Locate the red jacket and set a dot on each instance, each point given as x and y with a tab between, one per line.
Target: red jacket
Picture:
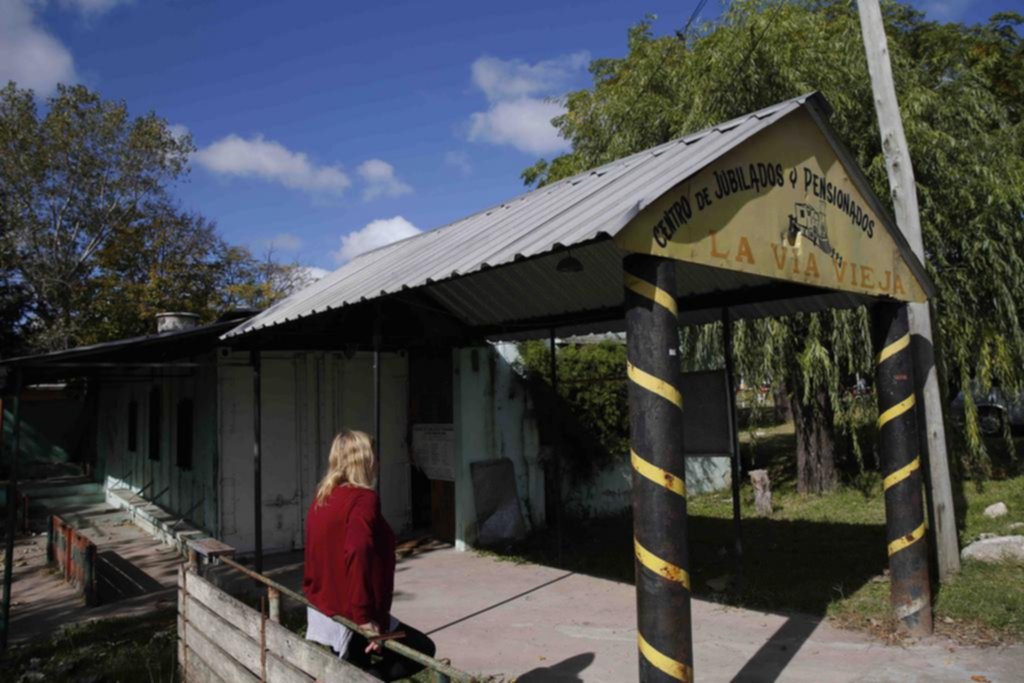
350	557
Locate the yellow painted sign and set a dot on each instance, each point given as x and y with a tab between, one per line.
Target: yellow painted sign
780	205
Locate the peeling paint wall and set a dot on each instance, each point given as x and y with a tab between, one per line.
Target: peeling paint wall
306	398
190	492
493	419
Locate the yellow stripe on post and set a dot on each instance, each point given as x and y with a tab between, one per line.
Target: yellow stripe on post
664	663
894	348
655	294
906	541
661	567
657	475
901	474
897	410
654	385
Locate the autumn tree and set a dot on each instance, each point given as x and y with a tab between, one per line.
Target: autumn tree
960	92
92	245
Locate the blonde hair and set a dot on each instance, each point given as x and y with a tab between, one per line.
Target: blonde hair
352	462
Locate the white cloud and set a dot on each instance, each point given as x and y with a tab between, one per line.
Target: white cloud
459	161
946	10
29	55
93	8
508	79
381	180
271	161
285	241
524	124
519	94
313	273
177	129
373	235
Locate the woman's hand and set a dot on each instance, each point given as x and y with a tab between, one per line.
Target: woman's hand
372	629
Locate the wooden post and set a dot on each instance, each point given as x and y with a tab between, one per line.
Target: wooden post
274	604
904	197
660	542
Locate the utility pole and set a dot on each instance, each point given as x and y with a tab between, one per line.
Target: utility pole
904	197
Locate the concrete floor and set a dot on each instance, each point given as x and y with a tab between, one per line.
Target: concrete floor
532	623
536	623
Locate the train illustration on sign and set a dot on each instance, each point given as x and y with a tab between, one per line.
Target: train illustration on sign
810	221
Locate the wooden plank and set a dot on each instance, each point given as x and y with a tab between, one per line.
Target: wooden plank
310	658
235	612
279	671
216	659
199	672
242	648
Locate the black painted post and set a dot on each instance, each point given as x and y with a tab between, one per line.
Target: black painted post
12	515
257	457
557	461
376	396
901	467
735	462
660	540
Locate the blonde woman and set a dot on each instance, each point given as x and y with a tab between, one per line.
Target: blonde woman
350	563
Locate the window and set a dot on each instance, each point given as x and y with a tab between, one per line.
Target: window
133	426
185	434
155	409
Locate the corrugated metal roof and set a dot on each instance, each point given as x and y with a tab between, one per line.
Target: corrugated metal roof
594	204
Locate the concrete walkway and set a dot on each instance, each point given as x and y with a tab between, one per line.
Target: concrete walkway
531	623
543	624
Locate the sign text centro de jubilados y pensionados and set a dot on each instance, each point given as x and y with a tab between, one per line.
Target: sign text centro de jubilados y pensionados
780	205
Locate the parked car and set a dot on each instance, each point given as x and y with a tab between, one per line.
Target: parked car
995	409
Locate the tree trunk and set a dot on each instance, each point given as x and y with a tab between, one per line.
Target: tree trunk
815	444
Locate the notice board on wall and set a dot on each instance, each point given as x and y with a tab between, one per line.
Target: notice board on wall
706	413
433	450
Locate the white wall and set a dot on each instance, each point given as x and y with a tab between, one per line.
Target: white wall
307	397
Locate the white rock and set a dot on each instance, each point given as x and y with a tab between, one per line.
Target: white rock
996	510
995	549
1015	525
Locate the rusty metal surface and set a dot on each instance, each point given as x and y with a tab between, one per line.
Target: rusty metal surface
75	557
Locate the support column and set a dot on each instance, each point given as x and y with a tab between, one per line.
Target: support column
12	515
664	630
377	336
735	462
901	467
257	458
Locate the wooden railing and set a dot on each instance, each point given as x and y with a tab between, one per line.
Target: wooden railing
220	638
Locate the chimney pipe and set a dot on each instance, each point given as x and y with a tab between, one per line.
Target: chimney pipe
175	322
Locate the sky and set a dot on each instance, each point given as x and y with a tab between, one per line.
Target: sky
328	128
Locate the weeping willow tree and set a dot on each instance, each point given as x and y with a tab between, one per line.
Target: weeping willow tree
960	90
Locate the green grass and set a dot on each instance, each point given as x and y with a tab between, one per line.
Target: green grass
821	555
129	650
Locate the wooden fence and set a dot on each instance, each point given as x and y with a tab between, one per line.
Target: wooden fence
221	638
75	557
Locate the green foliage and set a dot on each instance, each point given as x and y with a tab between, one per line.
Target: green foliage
960	91
592	384
91	246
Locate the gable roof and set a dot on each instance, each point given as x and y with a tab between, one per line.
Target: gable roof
580	210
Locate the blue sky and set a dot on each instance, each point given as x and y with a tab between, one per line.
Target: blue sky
325	128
